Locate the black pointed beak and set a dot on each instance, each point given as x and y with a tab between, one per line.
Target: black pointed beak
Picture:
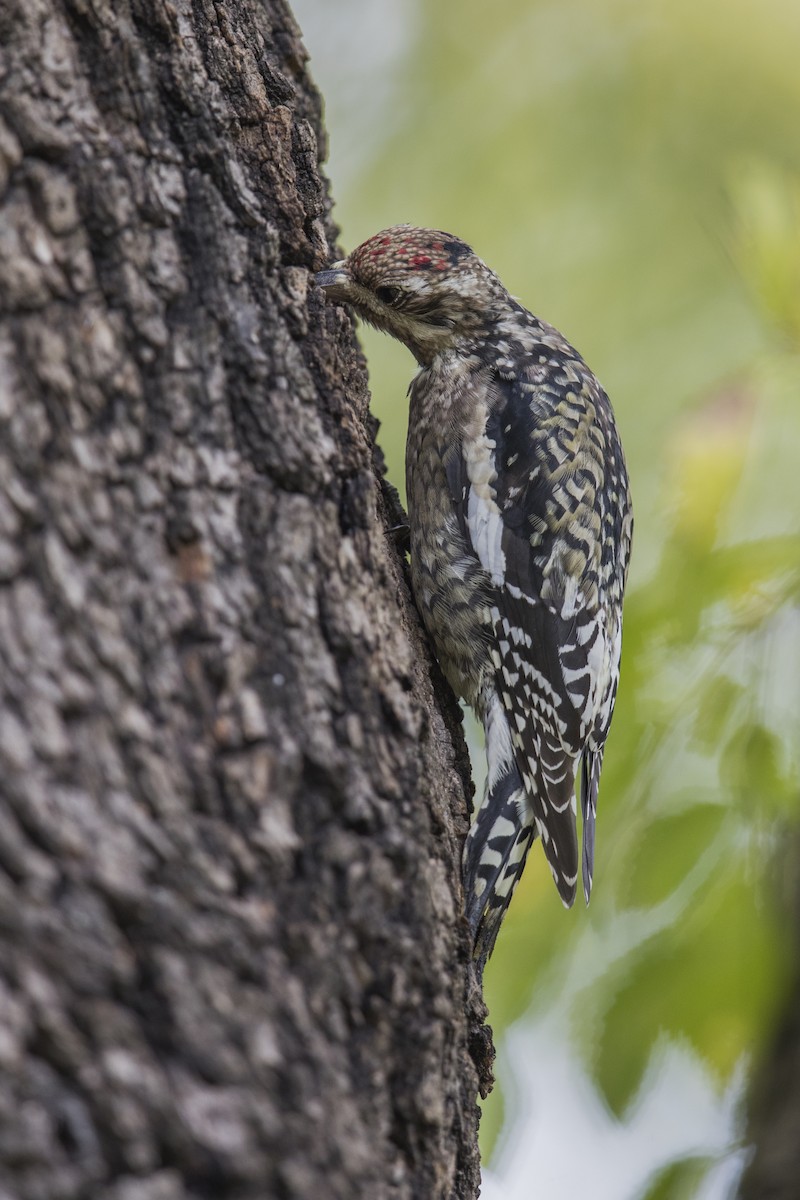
335	280
330	277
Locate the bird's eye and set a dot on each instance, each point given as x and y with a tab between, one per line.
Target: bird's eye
388	295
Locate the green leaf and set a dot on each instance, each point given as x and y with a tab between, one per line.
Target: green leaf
717	702
666	852
714	978
754	767
679	1180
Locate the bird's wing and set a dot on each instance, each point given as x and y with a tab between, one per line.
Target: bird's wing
527	500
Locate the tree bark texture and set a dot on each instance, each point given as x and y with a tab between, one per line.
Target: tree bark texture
773	1116
232	960
774	1120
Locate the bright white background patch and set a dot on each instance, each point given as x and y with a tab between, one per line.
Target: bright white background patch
677	1113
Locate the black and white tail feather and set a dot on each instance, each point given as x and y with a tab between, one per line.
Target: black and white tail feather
494	857
505	826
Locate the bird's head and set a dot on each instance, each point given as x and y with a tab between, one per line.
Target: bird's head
424	287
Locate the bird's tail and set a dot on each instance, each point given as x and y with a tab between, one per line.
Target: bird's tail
590	783
496	848
519	804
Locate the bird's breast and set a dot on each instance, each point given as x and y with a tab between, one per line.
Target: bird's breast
450	585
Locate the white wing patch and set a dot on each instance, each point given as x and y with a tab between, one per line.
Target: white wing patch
485	523
484	518
499	751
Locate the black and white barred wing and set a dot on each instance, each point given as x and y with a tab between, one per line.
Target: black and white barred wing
529	500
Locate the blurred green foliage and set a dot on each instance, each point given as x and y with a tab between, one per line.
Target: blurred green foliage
632	171
679	1181
701	788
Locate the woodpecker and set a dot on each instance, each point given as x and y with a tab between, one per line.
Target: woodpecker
520	524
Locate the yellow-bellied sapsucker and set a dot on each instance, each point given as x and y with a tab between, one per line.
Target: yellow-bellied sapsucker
521	523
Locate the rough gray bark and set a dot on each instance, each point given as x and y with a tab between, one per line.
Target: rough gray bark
774	1101
232	961
774	1173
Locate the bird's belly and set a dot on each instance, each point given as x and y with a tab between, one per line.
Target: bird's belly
450	588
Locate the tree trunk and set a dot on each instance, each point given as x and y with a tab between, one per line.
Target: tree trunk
774	1173
773	1116
232	959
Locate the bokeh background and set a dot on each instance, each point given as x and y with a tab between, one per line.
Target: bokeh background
631	169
